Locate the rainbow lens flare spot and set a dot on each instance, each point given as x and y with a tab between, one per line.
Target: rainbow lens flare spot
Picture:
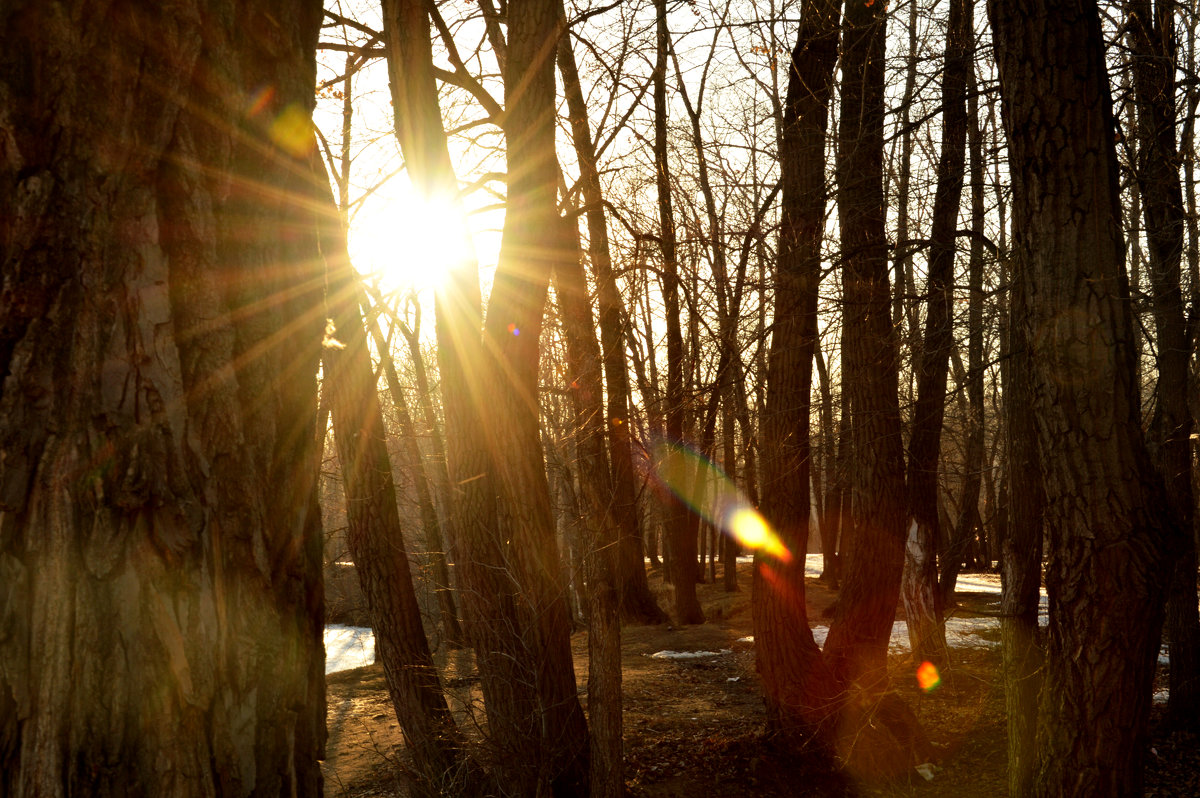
927	676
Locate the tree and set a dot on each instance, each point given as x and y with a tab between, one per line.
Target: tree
160	330
922	601
799	691
680	533
1152	33
1108	536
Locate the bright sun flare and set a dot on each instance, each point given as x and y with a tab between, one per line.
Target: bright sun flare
406	242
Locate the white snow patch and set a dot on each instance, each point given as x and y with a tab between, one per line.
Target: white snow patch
348	647
684	655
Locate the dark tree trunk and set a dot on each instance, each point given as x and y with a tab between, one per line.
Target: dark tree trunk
1152	35
873	552
922	601
799	690
1021	538
376	538
160	329
678	527
637	603
968	516
1108	534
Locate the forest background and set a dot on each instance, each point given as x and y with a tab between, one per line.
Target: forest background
919	282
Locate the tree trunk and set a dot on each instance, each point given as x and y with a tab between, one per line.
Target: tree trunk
1153	41
637	603
160	328
873	552
922	601
678	528
588	428
1109	537
376	538
799	689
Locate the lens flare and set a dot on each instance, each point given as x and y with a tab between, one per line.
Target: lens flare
927	676
705	488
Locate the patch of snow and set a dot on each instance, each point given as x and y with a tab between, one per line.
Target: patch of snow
348	647
685	655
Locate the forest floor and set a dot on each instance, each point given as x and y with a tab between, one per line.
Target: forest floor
693	727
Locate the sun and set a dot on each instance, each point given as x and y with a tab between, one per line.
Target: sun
407	242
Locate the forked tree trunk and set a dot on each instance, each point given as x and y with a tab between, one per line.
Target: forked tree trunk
1109	536
160	329
873	552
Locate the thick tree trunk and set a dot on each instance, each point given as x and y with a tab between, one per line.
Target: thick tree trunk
799	689
160	328
1109	537
922	601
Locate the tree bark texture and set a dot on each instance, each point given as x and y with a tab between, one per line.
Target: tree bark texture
873	552
160	329
799	689
922	601
1108	534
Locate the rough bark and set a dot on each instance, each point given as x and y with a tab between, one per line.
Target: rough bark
1108	535
799	689
160	328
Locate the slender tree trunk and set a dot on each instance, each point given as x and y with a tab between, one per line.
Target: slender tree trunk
922	601
1109	537
431	525
678	528
1152	34
969	518
600	550
637	603
160	328
376	538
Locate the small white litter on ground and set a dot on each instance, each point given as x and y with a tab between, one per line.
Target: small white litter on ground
683	655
